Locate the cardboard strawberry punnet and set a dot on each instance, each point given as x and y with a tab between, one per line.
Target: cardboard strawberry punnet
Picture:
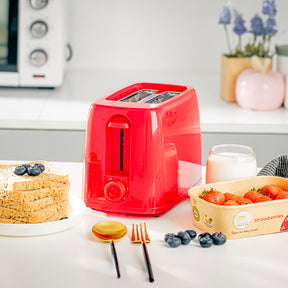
263	215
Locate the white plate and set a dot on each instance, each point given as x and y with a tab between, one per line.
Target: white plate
77	207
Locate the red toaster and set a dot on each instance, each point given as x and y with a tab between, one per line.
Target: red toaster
142	149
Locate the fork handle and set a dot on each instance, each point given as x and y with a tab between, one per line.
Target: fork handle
148	264
113	250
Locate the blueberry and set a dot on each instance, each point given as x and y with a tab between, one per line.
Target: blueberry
184	237
174	242
191	233
26	166
20	170
218	238
40	166
33	171
168	235
204	235
205	242
64	218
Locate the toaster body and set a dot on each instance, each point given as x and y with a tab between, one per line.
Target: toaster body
142	149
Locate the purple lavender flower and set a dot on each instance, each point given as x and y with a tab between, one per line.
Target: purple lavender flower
270	27
269	7
257	26
225	16
239	27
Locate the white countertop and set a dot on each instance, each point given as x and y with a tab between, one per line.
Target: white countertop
66	108
74	258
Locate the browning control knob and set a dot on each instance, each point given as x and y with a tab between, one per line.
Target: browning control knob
115	191
38	58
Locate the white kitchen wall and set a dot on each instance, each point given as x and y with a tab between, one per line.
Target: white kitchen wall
156	35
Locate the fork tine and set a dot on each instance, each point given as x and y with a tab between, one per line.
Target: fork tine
142	236
133	234
137	231
146	234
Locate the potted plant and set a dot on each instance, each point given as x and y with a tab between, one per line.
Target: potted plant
239	59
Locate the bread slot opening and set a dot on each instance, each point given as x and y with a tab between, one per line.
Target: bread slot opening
162	97
138	95
149	96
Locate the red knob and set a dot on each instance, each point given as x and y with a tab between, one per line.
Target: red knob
115	190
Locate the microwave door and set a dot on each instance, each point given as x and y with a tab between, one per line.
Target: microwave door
8	42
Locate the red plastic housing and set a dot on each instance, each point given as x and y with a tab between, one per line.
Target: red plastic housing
141	158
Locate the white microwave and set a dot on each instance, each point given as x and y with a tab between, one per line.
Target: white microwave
32	43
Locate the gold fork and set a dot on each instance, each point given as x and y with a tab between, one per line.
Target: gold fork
136	239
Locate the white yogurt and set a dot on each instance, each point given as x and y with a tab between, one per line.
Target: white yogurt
224	166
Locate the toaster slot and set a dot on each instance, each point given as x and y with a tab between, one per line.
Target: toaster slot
121	149
118	144
138	95
159	98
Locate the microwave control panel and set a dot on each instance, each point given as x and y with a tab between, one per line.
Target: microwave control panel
41	42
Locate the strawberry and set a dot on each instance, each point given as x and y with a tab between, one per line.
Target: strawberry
230	196
263	198
243	201
239	200
282	195
271	190
214	197
230	203
253	195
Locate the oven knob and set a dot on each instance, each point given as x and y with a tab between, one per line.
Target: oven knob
115	191
38	58
38	4
38	29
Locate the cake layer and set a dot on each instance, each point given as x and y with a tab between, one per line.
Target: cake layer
58	190
55	217
50	177
38	216
30	206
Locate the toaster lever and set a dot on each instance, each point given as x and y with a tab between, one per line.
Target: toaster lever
118	125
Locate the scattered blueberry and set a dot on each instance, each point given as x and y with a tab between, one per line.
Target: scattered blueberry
205	242
20	170
204	235
168	235
184	237
191	233
174	242
64	218
33	171
205	239
218	238
40	166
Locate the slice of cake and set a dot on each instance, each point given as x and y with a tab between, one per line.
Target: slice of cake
34	192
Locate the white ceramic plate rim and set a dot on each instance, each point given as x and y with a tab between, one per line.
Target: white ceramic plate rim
77	208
